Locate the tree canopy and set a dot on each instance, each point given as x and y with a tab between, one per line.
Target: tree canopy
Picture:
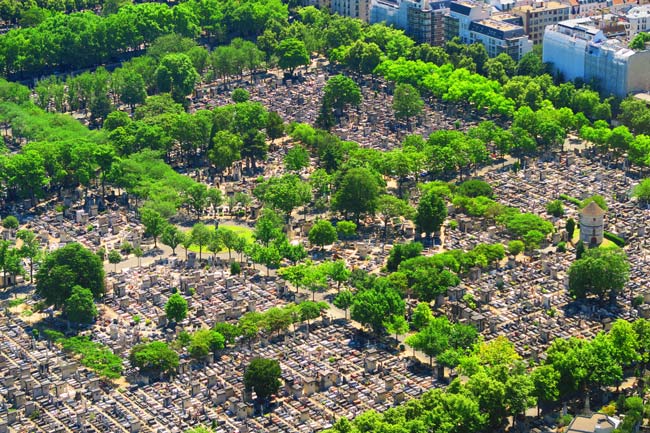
66	267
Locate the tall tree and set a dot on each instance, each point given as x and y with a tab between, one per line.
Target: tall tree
80	306
176	308
176	74
322	233
66	267
29	249
431	213
357	193
262	376
407	102
154	223
200	235
291	54
340	92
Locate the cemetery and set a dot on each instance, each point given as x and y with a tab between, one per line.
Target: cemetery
328	369
242	258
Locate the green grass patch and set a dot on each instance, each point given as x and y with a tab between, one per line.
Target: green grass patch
94	355
16	302
241	231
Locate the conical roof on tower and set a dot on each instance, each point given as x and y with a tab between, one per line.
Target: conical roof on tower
592	210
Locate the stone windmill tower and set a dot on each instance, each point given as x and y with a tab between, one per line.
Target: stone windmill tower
592	225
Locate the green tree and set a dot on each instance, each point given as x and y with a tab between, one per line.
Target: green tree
555	208
268	227
421	316
29	249
346	229
154	357
205	341
131	86
176	74
262	375
533	239
516	247
67	267
322	233
10	222
357	193
580	249
407	102
396	325
570	227
344	301
80	306
432	339
600	271
291	54
172	237
296	158
519	394
625	342
431	213
176	308
25	173
114	257
545	382
640	40
240	95
338	272
284	193
642	191
389	207
310	310
226	149
197	197
229	331
137	251
274	126
371	307
200	235
401	252
341	91
475	188
154	224
522	223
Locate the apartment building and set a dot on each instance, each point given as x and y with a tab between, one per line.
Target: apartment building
540	14
580	48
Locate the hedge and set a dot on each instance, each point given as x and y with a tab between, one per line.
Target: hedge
616	239
570	199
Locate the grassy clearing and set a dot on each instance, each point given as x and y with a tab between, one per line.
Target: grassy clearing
241	231
94	355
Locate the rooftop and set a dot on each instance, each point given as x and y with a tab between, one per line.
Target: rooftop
592	210
639	12
541	6
586	424
498	24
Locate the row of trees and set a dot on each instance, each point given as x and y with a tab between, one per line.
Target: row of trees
498	384
81	40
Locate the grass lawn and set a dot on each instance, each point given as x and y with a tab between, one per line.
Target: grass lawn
241	231
576	237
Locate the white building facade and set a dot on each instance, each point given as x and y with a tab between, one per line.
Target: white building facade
578	49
